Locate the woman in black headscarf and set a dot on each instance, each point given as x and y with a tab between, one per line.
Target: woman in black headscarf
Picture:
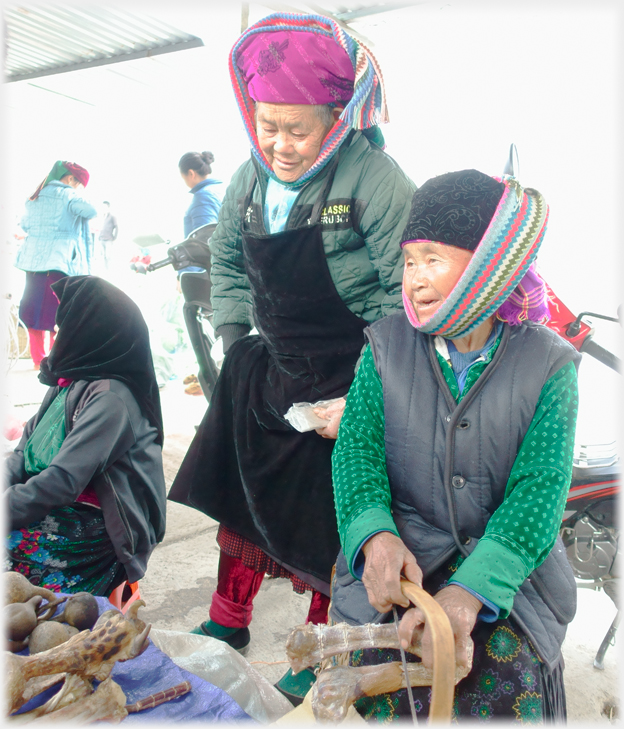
85	489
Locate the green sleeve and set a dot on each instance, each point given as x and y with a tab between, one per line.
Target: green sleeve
383	222
361	487
523	529
230	294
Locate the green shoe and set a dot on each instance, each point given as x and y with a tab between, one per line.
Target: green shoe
295	687
239	639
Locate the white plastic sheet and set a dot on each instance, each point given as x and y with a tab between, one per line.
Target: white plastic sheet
303	714
222	666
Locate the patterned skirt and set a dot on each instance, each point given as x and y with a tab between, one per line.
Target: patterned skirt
251	556
67	551
508	680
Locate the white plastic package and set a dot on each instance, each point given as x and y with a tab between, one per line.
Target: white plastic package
219	664
216	352
302	417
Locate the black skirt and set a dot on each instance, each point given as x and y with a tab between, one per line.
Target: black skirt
249	470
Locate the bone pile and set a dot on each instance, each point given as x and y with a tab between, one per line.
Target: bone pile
338	687
86	657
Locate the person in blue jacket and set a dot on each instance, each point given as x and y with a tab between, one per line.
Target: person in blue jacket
195	169
58	243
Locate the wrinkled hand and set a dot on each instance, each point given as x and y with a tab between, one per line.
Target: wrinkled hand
386	557
333	413
461	609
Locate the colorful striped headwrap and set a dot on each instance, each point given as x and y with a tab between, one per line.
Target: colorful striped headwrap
499	264
365	109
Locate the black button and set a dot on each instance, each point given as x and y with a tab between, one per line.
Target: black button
458	482
463	425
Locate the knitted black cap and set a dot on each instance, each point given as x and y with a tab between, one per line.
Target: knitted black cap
455	208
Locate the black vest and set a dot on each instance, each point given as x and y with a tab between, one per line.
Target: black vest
448	463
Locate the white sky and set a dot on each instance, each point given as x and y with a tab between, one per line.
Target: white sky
464	79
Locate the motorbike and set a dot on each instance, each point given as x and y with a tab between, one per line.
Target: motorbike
589	530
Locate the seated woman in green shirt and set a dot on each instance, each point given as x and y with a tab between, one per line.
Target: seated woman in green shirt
454	455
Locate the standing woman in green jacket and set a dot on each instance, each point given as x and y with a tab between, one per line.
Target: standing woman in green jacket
454	456
306	250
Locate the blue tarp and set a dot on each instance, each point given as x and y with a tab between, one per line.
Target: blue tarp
154	671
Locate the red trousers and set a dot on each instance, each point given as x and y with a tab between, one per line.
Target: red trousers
37	348
232	602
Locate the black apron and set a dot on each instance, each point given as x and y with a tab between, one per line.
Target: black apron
247	467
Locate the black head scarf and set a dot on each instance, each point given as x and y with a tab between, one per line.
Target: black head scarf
455	208
102	335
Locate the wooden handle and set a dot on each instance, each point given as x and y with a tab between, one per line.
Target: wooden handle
153	700
443	686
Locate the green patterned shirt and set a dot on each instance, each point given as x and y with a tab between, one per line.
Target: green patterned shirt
47	437
523	529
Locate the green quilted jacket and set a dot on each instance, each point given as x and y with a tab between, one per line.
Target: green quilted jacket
365	214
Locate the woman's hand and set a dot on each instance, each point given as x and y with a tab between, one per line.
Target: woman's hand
333	413
461	608
386	557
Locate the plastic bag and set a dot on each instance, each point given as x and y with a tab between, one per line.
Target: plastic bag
222	666
304	714
302	417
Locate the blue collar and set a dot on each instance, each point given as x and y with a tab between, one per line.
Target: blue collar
203	183
462	361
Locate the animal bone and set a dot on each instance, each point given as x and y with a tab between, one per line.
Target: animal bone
90	654
40	683
338	687
106	703
309	644
73	689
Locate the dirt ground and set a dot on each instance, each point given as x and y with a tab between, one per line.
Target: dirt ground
181	575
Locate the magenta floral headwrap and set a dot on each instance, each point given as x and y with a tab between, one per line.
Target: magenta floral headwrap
286	67
306	59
